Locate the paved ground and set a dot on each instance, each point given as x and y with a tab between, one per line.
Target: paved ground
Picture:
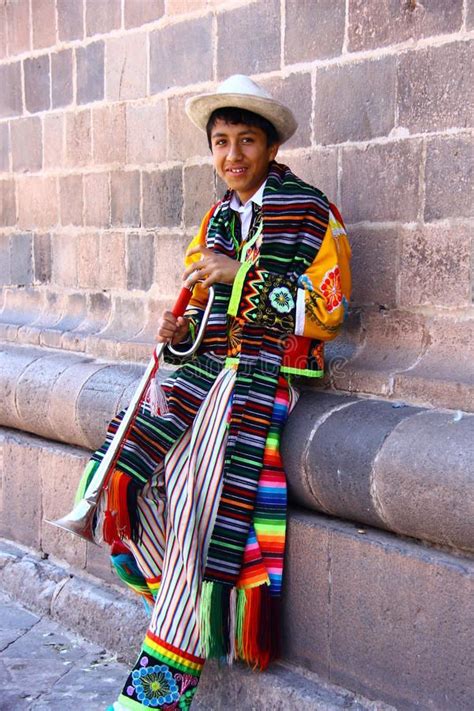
45	668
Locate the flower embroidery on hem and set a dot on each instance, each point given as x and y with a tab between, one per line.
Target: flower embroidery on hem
154	686
281	299
331	289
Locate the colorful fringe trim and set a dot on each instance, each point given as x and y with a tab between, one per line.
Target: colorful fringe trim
215	620
121	514
240	623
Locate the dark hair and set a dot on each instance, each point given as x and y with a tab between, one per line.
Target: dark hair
233	115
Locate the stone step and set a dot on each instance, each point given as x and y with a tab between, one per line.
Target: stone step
282	687
112	619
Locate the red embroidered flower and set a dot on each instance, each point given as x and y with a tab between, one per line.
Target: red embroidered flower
331	288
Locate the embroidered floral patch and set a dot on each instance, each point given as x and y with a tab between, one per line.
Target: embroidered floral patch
282	300
331	289
157	685
154	685
312	310
268	301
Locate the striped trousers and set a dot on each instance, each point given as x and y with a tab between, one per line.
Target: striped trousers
177	509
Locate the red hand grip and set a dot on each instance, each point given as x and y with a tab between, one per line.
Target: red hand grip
182	301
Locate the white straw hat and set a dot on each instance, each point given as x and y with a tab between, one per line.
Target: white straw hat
241	92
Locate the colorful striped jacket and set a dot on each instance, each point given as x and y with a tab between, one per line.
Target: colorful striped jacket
308	309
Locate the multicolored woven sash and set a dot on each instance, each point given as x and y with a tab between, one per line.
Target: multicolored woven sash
295	219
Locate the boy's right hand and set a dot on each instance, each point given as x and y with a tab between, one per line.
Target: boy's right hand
172	329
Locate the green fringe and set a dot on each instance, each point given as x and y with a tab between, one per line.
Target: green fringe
239	624
212	627
205	615
86	477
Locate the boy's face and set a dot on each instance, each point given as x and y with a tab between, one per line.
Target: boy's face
241	156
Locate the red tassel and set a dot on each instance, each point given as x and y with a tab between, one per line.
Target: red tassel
109	530
123	519
116	518
256	631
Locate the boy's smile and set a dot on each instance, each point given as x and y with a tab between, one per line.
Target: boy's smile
241	156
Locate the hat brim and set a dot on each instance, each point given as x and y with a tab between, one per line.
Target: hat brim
199	109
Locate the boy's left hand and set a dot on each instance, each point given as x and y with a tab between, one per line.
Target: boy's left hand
211	268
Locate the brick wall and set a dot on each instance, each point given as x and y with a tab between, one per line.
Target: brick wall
103	178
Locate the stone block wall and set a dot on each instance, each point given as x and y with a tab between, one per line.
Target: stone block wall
103	179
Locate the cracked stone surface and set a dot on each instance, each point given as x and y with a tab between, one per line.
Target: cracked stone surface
44	667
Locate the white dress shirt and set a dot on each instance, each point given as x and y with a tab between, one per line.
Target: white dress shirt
245	210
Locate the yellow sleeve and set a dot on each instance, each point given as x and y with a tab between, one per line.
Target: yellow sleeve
200	295
199	298
325	288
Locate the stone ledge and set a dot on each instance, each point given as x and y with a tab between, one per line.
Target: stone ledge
110	617
365	460
90	323
391	353
405	469
68	397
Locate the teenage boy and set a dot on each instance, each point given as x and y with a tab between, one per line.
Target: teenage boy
203	480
